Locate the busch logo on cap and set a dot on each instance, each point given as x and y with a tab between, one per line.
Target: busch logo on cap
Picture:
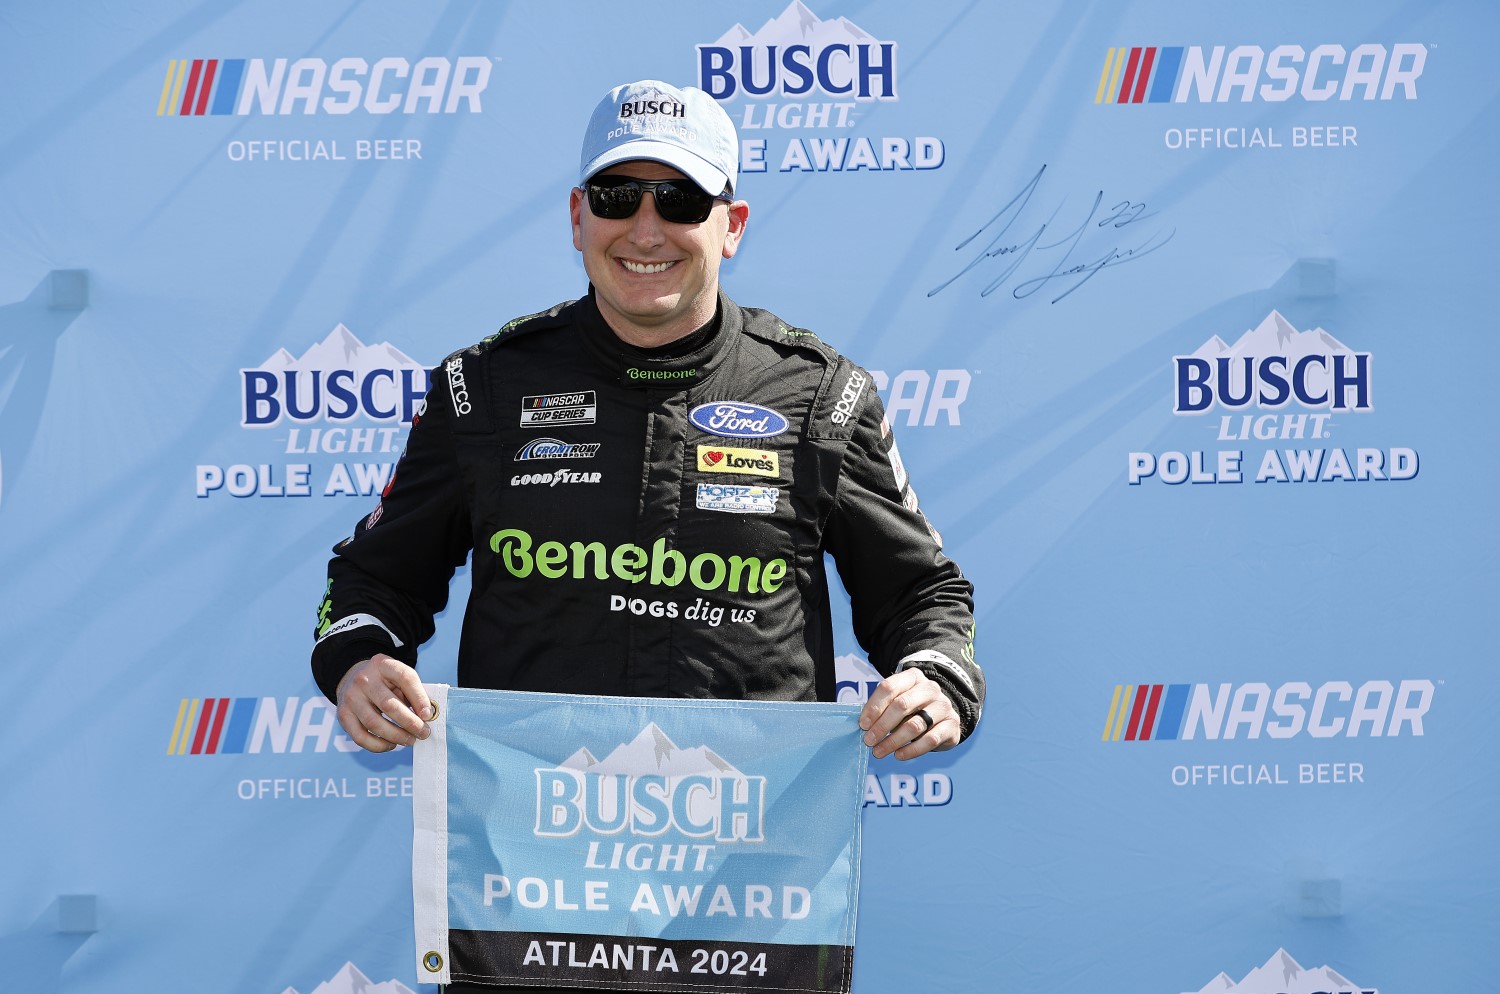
654	103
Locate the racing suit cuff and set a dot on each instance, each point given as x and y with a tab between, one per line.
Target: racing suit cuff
967	703
332	661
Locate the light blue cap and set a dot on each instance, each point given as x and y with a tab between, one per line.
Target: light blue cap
682	127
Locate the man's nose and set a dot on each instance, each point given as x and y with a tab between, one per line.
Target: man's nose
646	225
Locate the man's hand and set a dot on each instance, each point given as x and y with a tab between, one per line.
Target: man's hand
894	722
382	704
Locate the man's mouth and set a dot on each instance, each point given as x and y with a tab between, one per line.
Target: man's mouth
646	268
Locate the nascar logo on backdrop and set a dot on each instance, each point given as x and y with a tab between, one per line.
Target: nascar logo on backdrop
1317	75
1289	389
283	726
1334	709
315	87
802	73
337	402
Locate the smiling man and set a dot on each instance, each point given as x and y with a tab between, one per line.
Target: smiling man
648	479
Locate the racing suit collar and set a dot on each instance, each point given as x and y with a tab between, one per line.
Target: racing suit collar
632	368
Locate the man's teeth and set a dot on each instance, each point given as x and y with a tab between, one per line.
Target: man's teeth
646	267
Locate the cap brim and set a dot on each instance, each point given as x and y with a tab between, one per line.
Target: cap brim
690	164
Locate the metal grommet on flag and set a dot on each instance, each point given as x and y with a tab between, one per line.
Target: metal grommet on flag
433	961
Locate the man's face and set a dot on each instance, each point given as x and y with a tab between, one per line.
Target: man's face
655	280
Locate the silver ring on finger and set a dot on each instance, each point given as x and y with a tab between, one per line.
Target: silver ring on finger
926	718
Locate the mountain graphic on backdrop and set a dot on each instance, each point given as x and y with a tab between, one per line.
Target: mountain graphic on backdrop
797	25
1283	975
1275	336
342	350
349	980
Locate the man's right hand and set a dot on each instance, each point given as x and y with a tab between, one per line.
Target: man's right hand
382	704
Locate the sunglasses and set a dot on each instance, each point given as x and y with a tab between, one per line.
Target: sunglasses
680	201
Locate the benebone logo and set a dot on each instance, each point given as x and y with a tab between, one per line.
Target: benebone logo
660	567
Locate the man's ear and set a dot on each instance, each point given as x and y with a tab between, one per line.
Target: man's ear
575	212
739	217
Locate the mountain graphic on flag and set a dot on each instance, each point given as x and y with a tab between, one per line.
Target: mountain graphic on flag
349	980
652	752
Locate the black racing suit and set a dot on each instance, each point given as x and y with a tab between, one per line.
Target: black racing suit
651	528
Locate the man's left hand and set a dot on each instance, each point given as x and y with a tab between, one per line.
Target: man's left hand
910	716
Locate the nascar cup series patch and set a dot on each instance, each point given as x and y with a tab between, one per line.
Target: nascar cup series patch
578	408
635	843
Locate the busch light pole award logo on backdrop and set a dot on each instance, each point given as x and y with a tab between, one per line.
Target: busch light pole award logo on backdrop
1281	397
330	422
800	77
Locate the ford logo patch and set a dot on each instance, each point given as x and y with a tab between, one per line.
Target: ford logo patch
737	419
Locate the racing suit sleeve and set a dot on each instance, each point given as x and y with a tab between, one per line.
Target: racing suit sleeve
912	605
388	580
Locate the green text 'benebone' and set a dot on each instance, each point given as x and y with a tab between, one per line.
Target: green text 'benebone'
662	567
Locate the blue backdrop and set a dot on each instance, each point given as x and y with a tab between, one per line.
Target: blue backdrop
1158	295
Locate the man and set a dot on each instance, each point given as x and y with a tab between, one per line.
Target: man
648	479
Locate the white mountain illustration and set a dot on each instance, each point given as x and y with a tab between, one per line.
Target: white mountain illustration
1275	336
652	752
1281	974
797	25
1218	985
342	350
349	980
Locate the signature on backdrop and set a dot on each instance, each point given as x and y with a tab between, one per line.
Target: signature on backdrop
1032	250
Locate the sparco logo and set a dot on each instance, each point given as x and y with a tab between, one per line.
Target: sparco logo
638	108
457	387
853	387
553	448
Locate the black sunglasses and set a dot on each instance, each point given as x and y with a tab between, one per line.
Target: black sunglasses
680	201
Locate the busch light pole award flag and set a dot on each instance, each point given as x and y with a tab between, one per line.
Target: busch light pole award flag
629	843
